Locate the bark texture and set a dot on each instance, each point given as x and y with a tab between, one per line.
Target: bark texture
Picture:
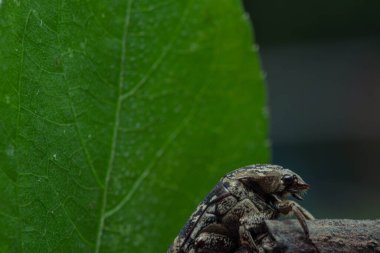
325	236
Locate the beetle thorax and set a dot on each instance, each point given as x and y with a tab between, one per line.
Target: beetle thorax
240	191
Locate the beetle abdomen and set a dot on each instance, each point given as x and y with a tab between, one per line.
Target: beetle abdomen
208	209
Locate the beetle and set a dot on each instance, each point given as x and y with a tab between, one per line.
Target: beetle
231	216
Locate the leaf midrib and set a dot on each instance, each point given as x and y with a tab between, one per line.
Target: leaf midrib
115	128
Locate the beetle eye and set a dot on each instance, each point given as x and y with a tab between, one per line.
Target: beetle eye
288	180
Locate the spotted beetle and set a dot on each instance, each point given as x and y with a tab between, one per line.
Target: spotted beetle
231	216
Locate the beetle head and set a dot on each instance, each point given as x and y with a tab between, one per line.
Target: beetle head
272	179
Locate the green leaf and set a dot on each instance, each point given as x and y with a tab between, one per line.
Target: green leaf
117	117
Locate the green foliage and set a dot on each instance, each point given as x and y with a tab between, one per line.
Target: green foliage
117	117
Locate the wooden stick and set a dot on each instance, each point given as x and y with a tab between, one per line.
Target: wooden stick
287	236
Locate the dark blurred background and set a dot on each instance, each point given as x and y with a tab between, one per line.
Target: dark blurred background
322	65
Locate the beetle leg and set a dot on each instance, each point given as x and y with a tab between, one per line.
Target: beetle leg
254	222
301	219
288	206
242	250
304	212
246	215
214	239
251	223
246	240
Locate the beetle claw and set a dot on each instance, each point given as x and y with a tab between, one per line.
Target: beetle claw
297	196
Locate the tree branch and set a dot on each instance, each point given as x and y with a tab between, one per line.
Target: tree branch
286	236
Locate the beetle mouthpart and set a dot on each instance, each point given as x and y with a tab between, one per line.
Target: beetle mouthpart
302	187
297	196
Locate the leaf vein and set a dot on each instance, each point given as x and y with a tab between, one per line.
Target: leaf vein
158	155
146	77
159	60
19	111
21	67
57	123
115	128
84	147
